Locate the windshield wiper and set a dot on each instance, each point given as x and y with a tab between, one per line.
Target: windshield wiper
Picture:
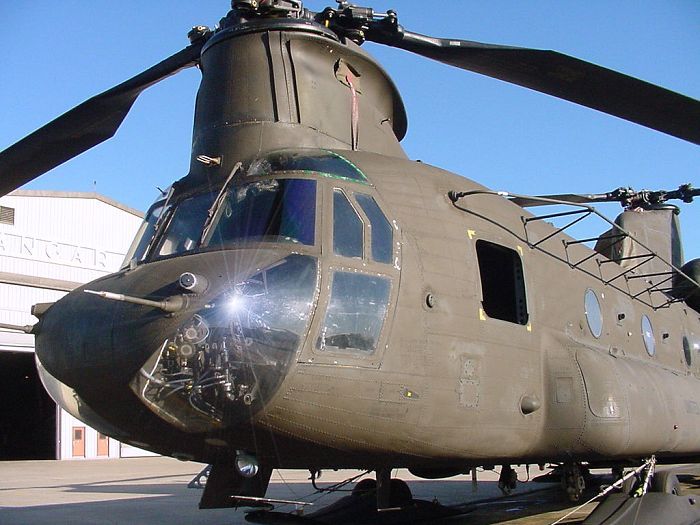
217	202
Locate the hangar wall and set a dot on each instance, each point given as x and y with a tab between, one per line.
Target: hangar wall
51	242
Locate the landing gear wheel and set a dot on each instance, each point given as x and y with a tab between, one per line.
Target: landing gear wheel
666	482
573	482
365	486
400	493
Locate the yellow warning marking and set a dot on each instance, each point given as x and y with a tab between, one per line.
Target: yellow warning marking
471	234
482	314
529	327
520	249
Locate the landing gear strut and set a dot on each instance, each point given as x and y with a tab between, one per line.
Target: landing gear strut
573	481
392	493
507	480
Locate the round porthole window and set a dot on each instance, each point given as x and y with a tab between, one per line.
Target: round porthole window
648	336
593	314
687	352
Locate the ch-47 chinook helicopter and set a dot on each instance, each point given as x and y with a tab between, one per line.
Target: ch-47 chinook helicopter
308	297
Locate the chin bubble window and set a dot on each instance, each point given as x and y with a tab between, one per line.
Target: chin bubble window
356	313
225	361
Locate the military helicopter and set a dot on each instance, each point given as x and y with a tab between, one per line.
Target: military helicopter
307	297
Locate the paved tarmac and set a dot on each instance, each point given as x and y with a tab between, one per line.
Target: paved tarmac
154	490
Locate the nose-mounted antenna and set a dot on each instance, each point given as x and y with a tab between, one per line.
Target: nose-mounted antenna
170	305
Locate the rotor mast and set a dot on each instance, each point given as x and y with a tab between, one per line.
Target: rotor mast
274	78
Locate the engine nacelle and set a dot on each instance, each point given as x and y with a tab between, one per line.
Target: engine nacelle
682	289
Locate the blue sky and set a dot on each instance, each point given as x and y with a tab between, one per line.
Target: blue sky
57	54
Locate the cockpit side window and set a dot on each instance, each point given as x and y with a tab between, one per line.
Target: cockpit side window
382	235
145	234
275	210
356	313
348	229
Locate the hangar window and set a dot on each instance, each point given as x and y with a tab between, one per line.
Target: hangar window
502	283
347	227
356	313
382	236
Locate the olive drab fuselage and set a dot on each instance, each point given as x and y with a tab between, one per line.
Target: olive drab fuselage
353	314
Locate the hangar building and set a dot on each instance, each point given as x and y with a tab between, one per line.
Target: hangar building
50	243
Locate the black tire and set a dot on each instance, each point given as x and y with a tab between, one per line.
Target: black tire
400	493
365	486
666	482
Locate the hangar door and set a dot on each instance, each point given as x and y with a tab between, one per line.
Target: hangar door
28	414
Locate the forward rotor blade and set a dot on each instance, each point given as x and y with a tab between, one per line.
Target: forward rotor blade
84	126
564	77
544	200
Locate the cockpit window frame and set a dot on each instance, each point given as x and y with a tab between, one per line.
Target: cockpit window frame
332	263
351	191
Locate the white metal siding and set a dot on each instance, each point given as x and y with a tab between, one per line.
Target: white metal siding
64	237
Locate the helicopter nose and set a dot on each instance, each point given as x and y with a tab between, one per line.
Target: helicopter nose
225	361
89	343
213	364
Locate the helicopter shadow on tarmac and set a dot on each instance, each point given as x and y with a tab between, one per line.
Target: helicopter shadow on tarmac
438	501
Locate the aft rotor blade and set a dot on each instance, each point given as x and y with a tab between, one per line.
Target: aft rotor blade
564	77
84	126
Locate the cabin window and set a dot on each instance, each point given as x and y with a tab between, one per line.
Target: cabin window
687	352
347	227
382	236
356	313
276	210
502	283
648	336
594	316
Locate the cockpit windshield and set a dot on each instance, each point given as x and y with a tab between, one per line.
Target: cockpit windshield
275	210
184	228
272	210
272	207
